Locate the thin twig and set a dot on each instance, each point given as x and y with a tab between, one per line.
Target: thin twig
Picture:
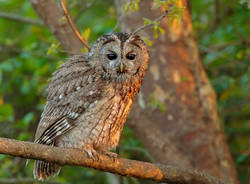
21	19
149	25
116	26
146	170
66	13
216	48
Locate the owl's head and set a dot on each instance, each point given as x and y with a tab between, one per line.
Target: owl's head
120	57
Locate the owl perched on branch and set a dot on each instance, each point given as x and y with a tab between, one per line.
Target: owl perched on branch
90	96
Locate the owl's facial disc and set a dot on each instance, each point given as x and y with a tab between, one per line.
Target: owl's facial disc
121	56
111	59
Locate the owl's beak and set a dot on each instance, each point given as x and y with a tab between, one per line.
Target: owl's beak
121	67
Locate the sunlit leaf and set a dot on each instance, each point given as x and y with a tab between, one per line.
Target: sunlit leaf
162	31
147	41
86	33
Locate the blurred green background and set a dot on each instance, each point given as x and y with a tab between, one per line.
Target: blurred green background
29	54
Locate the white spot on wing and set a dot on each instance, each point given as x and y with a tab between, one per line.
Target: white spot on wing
78	88
60	96
91	105
59	133
73	115
91	92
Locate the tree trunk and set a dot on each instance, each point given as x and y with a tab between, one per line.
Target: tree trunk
189	133
52	16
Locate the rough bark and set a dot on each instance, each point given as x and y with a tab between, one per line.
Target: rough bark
189	133
62	156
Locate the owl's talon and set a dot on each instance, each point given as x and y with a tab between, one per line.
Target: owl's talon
112	155
92	154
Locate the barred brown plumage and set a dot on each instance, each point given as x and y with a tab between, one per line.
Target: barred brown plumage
90	96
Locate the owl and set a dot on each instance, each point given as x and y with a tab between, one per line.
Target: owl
89	98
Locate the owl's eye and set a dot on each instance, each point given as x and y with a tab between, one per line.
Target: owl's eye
112	56
130	56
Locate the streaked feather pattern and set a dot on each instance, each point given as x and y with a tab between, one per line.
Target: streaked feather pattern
67	97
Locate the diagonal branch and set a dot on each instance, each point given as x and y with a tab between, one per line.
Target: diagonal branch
63	156
151	24
66	13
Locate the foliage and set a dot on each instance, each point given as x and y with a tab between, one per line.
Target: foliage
29	54
131	6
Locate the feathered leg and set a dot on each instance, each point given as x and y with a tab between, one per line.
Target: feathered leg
44	170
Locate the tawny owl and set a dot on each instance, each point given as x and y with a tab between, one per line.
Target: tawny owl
90	96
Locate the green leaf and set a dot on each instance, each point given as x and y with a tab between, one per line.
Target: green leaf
137	6
63	19
84	50
162	31
241	158
125	7
147	41
131	7
58	64
53	48
86	33
155	33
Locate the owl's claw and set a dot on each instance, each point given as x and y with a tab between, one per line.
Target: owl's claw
111	155
92	154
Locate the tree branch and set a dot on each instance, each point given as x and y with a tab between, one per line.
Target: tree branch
63	156
21	19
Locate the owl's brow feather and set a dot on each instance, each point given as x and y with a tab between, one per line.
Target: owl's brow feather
108	41
135	44
132	40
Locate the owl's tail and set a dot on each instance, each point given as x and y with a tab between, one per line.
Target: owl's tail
43	170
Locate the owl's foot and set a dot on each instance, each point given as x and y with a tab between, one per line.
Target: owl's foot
93	154
111	155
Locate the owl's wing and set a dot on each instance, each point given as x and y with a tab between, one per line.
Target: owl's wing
71	90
